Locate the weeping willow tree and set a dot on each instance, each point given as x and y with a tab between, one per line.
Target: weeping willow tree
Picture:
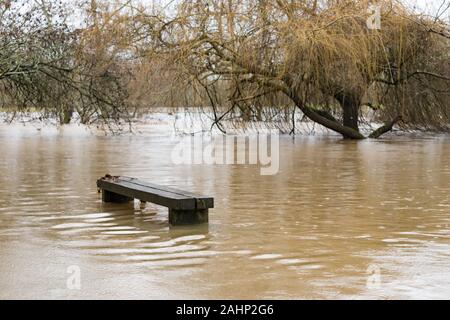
320	56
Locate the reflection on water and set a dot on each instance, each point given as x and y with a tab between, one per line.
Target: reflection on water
336	208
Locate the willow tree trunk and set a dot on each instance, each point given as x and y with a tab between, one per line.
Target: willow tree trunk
66	115
351	114
350	104
326	121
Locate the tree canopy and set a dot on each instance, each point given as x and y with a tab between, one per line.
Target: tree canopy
321	55
240	58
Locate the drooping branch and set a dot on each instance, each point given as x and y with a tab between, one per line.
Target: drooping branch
411	75
313	115
388	126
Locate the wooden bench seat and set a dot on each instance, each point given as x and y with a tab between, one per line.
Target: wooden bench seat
184	207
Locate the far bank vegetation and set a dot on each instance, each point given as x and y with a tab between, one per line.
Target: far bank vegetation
241	61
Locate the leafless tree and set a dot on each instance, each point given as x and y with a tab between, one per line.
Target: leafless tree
46	65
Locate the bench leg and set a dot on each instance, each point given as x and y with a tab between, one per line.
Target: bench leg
187	217
108	196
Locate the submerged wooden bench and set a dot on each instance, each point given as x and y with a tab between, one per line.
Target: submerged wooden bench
184	207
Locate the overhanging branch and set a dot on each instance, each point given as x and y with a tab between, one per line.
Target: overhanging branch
388	126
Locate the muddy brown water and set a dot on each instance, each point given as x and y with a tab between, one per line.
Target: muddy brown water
342	219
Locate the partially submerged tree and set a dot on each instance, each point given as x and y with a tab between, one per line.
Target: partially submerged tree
318	54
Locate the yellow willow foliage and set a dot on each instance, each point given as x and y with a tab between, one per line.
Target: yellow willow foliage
319	49
248	55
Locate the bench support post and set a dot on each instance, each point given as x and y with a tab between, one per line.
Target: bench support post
108	196
188	217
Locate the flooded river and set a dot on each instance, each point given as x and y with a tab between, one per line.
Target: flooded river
341	219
